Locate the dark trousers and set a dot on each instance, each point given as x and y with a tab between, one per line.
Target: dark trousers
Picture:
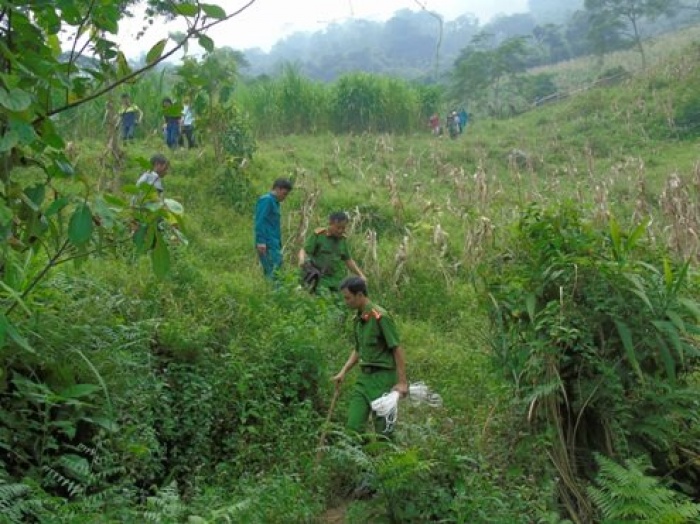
172	131
187	133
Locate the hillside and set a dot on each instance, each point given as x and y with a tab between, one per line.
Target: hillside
510	257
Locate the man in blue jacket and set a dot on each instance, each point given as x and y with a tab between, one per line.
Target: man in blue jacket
268	230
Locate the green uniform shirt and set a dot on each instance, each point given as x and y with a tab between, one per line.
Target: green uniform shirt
375	337
329	255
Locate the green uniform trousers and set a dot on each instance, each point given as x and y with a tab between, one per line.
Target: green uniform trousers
369	387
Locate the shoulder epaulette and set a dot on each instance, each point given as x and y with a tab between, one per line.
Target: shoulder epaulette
319	230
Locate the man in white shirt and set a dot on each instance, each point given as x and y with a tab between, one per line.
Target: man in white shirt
188	124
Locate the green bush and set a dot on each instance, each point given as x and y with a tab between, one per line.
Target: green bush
595	340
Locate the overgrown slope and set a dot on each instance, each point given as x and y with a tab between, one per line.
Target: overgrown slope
203	394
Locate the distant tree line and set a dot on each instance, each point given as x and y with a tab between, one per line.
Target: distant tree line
405	45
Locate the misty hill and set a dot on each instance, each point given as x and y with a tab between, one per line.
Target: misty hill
419	45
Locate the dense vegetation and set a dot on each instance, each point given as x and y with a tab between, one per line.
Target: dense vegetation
542	270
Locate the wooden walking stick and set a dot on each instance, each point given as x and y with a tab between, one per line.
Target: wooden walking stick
322	439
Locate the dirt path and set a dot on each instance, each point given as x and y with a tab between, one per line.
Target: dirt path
334	515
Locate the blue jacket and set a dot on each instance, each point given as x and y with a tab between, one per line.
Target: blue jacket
268	228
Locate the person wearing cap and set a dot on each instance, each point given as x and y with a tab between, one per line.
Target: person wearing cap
378	353
268	227
326	256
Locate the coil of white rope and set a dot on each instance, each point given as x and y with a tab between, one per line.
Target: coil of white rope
387	406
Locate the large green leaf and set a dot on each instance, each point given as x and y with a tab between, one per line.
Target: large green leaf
56	206
185	9
213	11
80	226
616	238
79	390
8	141
24	130
15	99
7	330
50	134
115	201
206	43
626	337
174	206
156	51
666	357
123	67
672	335
6	214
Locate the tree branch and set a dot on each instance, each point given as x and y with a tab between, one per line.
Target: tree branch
191	33
79	30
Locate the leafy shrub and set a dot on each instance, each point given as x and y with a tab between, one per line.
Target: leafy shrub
537	87
232	134
594	340
233	188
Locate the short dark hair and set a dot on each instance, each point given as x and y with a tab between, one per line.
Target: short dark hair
167	99
159	159
338	216
282	183
355	285
125	96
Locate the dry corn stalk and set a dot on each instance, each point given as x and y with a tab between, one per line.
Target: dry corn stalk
460	183
681	211
602	212
641	205
400	259
355	220
383	144
370	260
477	235
395	196
306	213
440	240
481	186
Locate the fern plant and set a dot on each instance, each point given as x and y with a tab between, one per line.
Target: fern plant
165	506
627	494
17	502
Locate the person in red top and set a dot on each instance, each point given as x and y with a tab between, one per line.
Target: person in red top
435	124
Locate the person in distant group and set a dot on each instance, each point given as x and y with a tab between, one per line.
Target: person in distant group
453	124
187	125
463	119
326	255
268	227
378	353
172	115
130	115
435	124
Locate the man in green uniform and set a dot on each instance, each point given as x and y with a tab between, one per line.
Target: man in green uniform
325	255
377	350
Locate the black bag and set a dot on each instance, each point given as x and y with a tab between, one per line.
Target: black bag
310	275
